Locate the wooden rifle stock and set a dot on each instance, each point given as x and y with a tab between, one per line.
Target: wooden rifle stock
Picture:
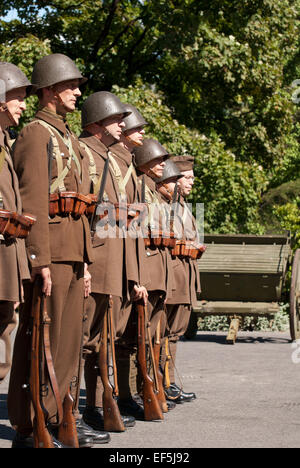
152	409
113	421
161	393
42	438
67	432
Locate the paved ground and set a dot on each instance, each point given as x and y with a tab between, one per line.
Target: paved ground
248	396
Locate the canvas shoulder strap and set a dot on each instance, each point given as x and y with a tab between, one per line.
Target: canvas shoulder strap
61	171
122	181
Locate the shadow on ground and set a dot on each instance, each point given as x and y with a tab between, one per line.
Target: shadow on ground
208	337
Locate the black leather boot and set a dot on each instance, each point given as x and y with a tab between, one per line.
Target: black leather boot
93	416
171	405
97	437
27	442
173	393
130	407
187	396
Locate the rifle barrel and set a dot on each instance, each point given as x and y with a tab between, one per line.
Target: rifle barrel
101	190
50	148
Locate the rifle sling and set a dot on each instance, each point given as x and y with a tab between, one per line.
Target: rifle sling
50	367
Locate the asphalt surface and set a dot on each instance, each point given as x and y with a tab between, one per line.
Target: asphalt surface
248	397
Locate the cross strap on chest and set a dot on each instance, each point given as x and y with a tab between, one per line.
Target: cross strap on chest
62	171
121	181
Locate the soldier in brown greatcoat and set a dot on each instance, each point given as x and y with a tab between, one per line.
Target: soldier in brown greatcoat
187	282
58	246
118	267
132	137
150	159
185	164
14	87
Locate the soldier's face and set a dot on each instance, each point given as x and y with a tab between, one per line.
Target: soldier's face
136	135
15	103
186	183
67	94
114	125
157	166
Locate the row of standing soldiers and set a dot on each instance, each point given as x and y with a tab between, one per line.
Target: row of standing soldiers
85	267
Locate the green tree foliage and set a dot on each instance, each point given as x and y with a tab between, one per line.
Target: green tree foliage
213	79
229	189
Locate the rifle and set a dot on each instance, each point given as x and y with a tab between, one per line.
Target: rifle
42	438
152	409
112	418
173	207
50	148
161	394
143	192
101	191
67	432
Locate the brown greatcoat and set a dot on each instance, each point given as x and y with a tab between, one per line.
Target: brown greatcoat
181	288
13	260
190	232
119	264
158	260
118	261
64	244
58	239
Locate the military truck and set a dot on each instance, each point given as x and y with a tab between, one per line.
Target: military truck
245	275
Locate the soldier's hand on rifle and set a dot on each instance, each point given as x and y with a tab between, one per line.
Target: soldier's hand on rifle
87	281
140	293
45	273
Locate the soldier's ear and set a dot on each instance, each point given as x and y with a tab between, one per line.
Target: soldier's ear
3	107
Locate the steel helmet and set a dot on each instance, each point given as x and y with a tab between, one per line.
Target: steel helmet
100	106
13	77
134	120
150	150
53	69
170	172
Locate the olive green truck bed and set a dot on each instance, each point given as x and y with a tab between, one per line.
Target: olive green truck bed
244	275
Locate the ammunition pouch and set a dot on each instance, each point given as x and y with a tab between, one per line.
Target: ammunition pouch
13	225
161	239
70	204
120	213
188	249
